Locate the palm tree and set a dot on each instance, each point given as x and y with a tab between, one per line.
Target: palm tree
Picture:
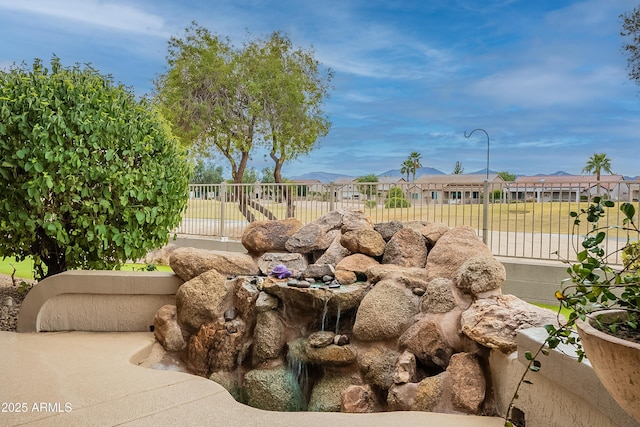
414	158
406	168
597	163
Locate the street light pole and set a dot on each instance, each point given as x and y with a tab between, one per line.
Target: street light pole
485	202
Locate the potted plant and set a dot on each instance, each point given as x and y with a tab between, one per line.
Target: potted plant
603	299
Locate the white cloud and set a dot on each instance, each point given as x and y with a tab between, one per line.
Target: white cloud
108	15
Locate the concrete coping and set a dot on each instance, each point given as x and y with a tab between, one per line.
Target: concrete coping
116	301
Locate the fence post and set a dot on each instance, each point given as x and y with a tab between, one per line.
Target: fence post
223	199
485	212
331	197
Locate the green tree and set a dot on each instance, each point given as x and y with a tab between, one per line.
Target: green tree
414	160
207	173
631	29
406	167
507	176
267	176
235	100
597	163
293	89
90	176
208	98
370	189
458	169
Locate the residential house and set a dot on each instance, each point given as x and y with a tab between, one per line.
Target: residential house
459	188
345	189
386	183
568	188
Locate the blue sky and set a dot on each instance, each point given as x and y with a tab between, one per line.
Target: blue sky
547	79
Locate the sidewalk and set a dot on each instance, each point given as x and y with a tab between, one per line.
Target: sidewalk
86	379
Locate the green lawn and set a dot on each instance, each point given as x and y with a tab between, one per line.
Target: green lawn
24	269
565	312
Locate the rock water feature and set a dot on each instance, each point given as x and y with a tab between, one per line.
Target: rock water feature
342	315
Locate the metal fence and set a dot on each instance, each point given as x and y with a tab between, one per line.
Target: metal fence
530	220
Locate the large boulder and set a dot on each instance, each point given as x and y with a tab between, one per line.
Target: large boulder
452	250
334	253
310	238
273	390
430	393
388	229
377	366
332	355
326	395
188	263
353	220
203	300
494	322
411	277
293	262
269	236
425	340
364	241
268	337
360	399
468	385
402	397
385	312
218	346
356	263
166	328
317	235
438	296
433	231
480	274
407	248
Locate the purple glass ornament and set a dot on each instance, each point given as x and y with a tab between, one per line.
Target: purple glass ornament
281	271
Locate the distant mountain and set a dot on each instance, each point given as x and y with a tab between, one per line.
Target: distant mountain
559	173
481	172
320	176
419	172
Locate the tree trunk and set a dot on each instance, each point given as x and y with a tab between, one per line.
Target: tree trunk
50	254
285	190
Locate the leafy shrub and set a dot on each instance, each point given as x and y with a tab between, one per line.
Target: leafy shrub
397	202
90	176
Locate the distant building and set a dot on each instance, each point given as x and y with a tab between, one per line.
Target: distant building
568	188
456	188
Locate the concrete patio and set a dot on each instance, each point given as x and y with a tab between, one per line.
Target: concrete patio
92	378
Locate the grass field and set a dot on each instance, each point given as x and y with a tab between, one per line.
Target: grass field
24	269
527	217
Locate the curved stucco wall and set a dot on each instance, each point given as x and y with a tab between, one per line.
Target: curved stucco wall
113	301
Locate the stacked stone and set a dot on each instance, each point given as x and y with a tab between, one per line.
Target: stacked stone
417	311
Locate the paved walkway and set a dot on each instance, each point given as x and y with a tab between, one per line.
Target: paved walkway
87	379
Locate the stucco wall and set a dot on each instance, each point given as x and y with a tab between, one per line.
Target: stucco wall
117	301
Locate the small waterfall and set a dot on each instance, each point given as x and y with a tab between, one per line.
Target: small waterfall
300	373
338	320
324	312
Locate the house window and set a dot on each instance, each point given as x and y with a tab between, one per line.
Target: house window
415	196
434	195
475	195
456	195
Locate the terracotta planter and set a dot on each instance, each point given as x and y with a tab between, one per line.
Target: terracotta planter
615	361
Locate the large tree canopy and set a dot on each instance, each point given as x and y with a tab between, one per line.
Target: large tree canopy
90	176
631	31
235	101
